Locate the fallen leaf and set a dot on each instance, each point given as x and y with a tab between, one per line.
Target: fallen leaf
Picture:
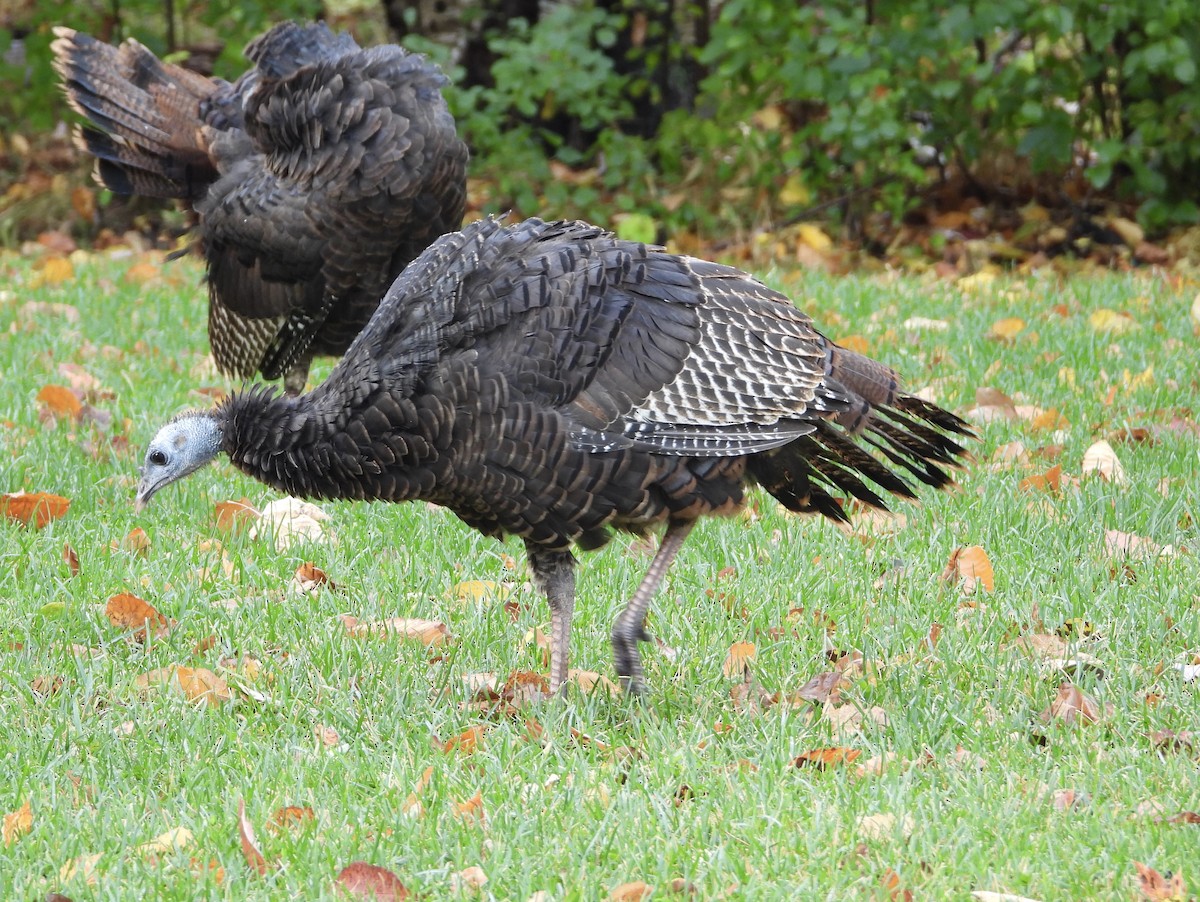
201	684
56	270
823	687
470	878
480	591
83	866
429	632
737	662
1006	329
1112	321
132	613
1159	887
327	736
630	892
309	578
36	508
471	809
289	817
166	843
467	742
412	805
232	516
369	881
17	823
60	401
250	850
880	827
1126	545
970	567
1050	481
136	542
71	559
825	758
1072	705
288	521
1100	459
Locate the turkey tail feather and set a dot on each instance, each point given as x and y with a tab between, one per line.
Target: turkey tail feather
147	137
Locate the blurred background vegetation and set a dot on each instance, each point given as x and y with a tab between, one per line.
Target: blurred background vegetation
709	119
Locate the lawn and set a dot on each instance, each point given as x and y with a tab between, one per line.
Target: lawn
940	764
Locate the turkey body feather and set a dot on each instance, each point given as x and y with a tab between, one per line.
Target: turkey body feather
550	381
316	177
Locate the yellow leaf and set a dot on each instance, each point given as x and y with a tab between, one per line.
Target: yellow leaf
855	343
57	270
794	192
812	235
84	865
1006	329
480	591
201	684
166	843
1144	379
978	280
1114	321
739	658
18	823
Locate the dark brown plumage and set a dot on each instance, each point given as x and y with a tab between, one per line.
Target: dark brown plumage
549	381
316	176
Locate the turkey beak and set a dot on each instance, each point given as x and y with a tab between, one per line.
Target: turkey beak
146	488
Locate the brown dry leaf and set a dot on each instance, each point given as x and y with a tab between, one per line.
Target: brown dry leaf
17	823
429	632
36	508
540	641
467	742
634	891
1072	705
749	697
60	401
1006	329
250	849
1158	887
71	559
823	687
136	542
846	720
1067	800
1043	645
291	816
826	758
971	567
232	516
1101	460
737	662
1050	481
1184	817
288	521
309	578
132	613
412	805
201	684
46	685
471	809
369	881
1119	544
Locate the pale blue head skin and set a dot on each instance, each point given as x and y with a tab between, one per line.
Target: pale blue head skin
180	448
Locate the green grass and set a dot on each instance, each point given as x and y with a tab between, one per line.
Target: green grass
106	767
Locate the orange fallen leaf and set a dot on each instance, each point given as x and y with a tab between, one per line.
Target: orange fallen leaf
467	742
825	758
1072	705
71	558
1158	887
471	809
141	272
60	401
17	823
56	270
234	515
412	805
1006	329
971	567
1050	481
130	612
738	660
369	881
289	817
36	508
634	891
309	577
201	684
250	850
856	343
137	542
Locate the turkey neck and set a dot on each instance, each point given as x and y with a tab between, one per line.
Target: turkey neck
298	446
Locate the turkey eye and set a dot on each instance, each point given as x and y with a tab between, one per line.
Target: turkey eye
158	458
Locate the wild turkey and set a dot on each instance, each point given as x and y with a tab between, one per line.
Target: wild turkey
549	381
316	176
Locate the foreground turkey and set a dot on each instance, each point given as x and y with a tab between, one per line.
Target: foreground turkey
549	381
316	176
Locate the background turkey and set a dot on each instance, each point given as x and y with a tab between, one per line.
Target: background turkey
552	382
317	176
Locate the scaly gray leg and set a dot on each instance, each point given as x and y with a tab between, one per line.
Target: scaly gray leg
630	625
554	575
295	378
